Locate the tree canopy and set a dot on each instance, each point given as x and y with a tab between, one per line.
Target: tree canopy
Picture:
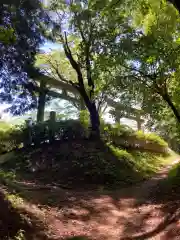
21	34
125	51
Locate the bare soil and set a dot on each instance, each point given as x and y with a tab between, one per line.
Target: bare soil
51	212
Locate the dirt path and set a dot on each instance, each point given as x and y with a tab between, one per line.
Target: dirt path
131	213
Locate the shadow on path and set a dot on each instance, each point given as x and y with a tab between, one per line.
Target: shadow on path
140	212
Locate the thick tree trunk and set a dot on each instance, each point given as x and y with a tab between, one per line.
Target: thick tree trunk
172	106
93	112
95	121
41	102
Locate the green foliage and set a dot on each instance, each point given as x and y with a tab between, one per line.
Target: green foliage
151	137
144	163
149	163
174	175
7	35
123	135
15	200
84	162
121	130
4	125
166	126
120	135
84	118
21	34
122	154
110	132
10	139
60	130
7	175
20	235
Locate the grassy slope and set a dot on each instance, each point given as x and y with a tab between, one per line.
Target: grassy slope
83	162
173	180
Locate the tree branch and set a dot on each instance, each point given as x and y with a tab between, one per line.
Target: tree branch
72	61
87	44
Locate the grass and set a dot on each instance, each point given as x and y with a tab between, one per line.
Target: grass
122	131
146	163
151	137
174	175
168	188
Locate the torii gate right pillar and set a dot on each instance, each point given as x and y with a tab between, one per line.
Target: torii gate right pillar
139	123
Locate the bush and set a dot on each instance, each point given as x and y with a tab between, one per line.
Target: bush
10	139
84	118
119	135
151	137
124	136
60	130
143	162
174	175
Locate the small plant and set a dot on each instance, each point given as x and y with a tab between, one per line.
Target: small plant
84	118
15	200
121	153
7	175
20	235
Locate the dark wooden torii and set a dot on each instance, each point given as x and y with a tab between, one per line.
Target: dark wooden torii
47	83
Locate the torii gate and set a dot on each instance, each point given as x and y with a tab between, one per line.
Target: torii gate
47	82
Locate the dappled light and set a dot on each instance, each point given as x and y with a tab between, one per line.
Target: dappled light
89	120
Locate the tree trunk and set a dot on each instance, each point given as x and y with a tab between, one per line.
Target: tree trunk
41	102
172	106
93	112
95	121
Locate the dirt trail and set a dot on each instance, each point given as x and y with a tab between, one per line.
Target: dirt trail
132	213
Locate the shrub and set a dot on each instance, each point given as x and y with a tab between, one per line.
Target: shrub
60	130
121	154
119	135
111	132
84	118
124	136
151	137
174	175
10	139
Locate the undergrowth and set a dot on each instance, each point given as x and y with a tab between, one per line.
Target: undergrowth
82	162
174	175
151	137
145	163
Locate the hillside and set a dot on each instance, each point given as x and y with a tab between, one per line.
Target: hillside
79	188
68	172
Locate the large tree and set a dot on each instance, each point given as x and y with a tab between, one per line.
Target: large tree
21	34
151	58
85	31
